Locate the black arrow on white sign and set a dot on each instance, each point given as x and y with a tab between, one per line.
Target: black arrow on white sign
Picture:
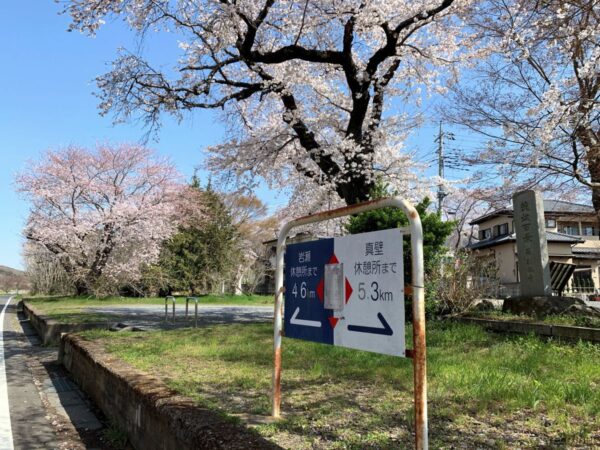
385	331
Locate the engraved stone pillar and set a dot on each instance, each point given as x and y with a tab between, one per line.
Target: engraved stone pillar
532	248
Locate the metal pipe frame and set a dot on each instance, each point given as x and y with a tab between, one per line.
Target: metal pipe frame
418	293
167	298
166	308
187	300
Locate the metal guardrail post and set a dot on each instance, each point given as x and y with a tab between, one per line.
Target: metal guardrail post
418	293
195	309
167	298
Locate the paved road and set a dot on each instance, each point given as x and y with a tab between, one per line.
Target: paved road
40	408
153	316
24	424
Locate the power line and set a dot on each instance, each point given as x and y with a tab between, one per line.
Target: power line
440	140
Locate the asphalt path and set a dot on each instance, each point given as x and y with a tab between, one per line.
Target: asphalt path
24	422
40	407
153	316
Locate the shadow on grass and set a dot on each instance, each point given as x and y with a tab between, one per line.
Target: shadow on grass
362	398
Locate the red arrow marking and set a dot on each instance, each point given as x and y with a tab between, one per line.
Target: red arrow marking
333	321
348	290
320	289
333	260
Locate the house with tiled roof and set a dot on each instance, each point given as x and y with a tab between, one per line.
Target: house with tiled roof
571	232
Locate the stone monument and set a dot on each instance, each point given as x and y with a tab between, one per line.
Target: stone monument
532	248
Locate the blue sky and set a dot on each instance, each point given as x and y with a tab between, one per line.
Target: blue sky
47	85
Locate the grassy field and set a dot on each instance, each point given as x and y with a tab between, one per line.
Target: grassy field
485	390
73	309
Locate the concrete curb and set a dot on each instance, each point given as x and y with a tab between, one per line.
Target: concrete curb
540	329
153	415
50	330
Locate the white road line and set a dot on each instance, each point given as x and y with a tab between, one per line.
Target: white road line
6	438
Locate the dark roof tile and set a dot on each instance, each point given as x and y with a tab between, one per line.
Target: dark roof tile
550	206
550	237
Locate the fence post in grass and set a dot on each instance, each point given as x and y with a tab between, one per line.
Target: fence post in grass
195	310
167	298
418	354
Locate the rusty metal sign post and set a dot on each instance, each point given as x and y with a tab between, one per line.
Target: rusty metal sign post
418	354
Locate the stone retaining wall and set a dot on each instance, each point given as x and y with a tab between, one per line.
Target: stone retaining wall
153	416
541	329
50	330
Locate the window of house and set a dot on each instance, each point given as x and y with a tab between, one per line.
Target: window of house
589	229
501	230
582	279
550	223
571	228
485	234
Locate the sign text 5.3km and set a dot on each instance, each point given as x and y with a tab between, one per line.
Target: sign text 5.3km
347	291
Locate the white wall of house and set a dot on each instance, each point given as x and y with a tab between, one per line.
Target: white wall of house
504	257
559	249
506	262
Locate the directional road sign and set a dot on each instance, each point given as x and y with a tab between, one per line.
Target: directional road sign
347	291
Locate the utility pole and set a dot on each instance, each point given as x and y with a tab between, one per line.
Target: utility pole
440	140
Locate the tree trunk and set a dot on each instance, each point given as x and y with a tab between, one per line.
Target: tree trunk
239	277
586	136
81	288
355	191
594	167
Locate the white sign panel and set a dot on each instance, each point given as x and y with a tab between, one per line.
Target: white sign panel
372	318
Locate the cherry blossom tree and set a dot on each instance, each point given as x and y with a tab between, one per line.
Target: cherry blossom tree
305	85
253	227
535	93
101	213
44	271
461	206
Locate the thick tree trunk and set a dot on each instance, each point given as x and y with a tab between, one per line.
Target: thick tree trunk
356	190
81	288
589	139
594	167
596	203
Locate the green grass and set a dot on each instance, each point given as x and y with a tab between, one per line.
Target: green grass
114	434
340	398
593	322
73	309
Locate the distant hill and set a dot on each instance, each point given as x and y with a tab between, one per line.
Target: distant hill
13	279
5	270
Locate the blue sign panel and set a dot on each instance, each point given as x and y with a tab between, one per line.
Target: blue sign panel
305	315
